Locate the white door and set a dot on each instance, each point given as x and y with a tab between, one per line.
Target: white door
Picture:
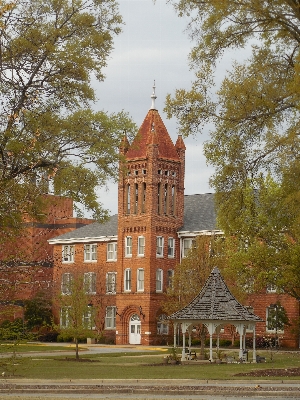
135	329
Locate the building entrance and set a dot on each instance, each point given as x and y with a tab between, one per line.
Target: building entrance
135	329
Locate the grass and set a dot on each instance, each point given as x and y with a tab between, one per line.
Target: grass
140	365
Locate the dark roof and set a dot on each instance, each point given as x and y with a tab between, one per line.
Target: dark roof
199	212
215	302
199	215
109	228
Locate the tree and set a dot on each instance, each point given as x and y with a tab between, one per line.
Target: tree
190	275
77	313
254	144
37	312
51	54
277	319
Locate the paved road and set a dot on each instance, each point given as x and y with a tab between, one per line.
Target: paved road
112	389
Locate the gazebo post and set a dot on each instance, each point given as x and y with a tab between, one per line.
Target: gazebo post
175	331
254	343
241	329
183	329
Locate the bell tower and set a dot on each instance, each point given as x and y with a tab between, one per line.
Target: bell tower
150	212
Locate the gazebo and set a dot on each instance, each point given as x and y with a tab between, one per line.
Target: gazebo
215	307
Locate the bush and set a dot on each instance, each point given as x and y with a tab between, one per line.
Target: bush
225	342
12	330
50	336
196	342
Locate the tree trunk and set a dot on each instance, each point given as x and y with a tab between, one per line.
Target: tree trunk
76	347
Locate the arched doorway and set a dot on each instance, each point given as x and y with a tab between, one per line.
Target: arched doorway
135	329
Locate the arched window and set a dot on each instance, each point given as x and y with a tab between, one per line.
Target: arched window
173	200
128	199
144	197
166	197
136	198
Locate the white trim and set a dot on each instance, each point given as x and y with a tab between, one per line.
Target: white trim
183	234
84	240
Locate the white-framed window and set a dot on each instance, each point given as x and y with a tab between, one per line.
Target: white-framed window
275	319
68	253
162	325
88	318
140	279
111	278
127	280
186	245
90	252
159	280
141	246
66	283
128	246
271	288
65	317
171	247
110	317
170	277
159	246
112	251
89	282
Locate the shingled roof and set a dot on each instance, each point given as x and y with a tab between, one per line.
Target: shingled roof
215	302
95	230
199	213
153	131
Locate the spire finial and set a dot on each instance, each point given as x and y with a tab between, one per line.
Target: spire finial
153	97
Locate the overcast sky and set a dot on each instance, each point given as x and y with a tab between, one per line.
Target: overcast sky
152	46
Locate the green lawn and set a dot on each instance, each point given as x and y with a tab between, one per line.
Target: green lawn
137	366
26	347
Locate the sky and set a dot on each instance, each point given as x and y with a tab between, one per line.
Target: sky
152	46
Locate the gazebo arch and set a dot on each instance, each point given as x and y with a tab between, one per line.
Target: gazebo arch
215	307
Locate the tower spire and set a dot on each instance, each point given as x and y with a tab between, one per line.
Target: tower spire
153	97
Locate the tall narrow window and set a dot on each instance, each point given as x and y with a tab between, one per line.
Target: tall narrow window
171	247
66	283
111	282
90	252
170	277
112	251
159	198
65	317
128	199
143	197
159	246
136	198
128	246
110	318
127	280
159	280
89	318
186	245
141	246
89	282
166	199
68	253
173	200
140	280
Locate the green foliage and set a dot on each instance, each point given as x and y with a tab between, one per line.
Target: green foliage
76	314
37	312
51	51
191	274
12	330
254	144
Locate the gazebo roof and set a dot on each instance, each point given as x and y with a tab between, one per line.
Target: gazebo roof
215	303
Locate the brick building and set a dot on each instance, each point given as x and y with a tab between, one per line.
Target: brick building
128	262
26	260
